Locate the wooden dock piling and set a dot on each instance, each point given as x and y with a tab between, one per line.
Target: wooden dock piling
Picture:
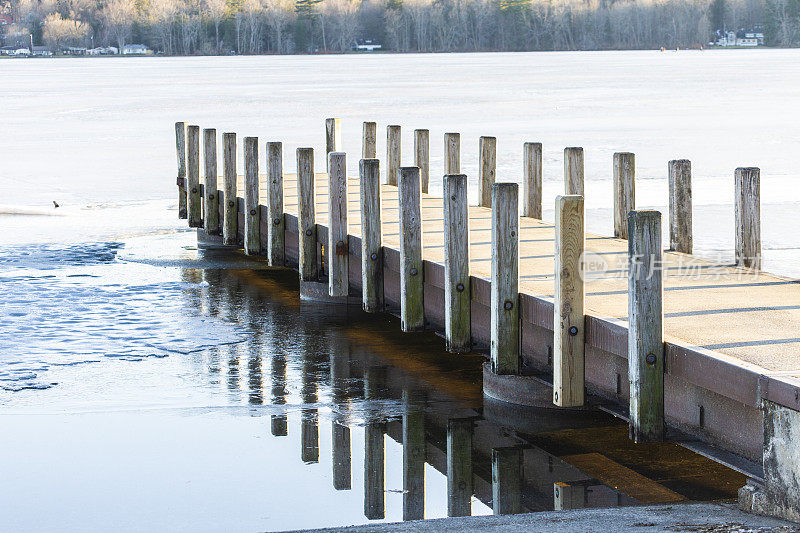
412	314
371	246
452	153
306	216
194	199
230	207
276	225
505	279
332	135
457	299
532	180
422	157
568	304
573	170
645	326
487	169
680	205
393	147
369	141
748	217
211	200
374	449
624	191
338	250
506	480
459	466
252	218
413	456
180	150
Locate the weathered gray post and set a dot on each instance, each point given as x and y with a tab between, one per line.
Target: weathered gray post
371	246
506	480
680	205
505	279
645	328
748	217
306	216
338	252
211	203
624	191
180	149
422	157
276	226
532	180
573	170
230	208
412	314
457	300
413	456
452	153
332	135
392	153
252	219
459	467
568	319
369	141
487	169
194	199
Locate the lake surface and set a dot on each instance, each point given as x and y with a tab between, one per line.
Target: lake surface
147	385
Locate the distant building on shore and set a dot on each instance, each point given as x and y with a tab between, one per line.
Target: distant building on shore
134	50
103	51
366	45
42	51
754	37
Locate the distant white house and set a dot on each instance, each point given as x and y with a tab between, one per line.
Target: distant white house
42	51
134	50
739	38
103	51
21	52
366	45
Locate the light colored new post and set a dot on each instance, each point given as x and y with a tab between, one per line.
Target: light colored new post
211	203
645	327
371	251
369	141
306	216
194	199
180	149
532	180
680	205
412	315
748	217
624	191
332	135
487	169
452	153
422	157
457	299
276	226
392	154
252	219
459	466
338	251
230	209
568	319
573	171
505	279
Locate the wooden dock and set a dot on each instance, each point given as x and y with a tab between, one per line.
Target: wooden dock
709	342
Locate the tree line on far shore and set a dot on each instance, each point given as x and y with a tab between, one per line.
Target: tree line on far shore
192	27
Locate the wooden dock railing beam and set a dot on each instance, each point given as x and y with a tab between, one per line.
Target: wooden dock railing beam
505	279
393	152
180	150
532	180
457	299
306	216
748	217
573	170
680	205
452	153
624	191
252	218
412	308
487	169
194	200
369	140
276	251
230	207
338	251
211	200
371	245
422	148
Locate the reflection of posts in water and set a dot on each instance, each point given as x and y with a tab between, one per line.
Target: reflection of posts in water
459	467
340	372
506	480
309	424
413	456
568	495
374	448
278	422
254	374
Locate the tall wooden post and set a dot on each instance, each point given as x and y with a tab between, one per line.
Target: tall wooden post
505	279
680	205
412	314
487	169
624	191
573	171
532	180
392	153
568	319
748	217
459	467
306	216
506	480
276	226
422	157
413	456
230	209
211	202
332	135
194	199
371	246
452	153
338	251
180	150
369	141
645	327
252	218
457	300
